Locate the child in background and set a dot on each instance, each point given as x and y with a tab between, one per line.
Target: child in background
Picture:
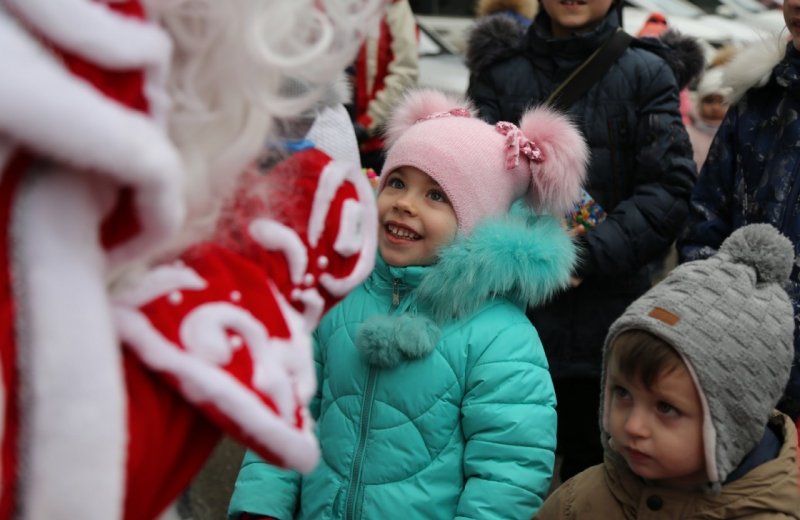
641	173
752	171
434	396
693	371
712	98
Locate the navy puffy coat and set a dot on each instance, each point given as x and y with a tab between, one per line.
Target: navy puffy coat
641	169
751	175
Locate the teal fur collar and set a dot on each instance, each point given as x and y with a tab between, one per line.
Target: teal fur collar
524	259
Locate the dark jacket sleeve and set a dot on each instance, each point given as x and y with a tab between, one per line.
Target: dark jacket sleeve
710	220
642	227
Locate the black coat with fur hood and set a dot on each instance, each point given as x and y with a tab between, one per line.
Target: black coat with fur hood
641	169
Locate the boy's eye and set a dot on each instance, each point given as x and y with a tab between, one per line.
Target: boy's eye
620	392
395	183
437	196
667	409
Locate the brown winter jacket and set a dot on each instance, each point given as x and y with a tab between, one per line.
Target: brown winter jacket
612	491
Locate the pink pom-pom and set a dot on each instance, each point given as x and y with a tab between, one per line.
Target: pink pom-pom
557	181
420	104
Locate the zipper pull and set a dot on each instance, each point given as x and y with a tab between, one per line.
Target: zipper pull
395	292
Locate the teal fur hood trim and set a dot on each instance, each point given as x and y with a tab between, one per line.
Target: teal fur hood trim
522	258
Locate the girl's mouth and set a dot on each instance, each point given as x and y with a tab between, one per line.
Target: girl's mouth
401	232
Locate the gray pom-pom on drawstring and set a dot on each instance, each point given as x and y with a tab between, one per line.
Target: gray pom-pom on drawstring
762	247
384	341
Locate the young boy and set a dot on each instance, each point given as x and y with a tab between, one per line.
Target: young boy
693	370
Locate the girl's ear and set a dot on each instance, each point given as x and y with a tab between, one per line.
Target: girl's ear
555	182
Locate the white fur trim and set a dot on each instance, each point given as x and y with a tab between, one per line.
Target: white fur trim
96	33
368	229
313	305
350	239
45	108
74	434
115	42
159	281
752	66
205	333
283	369
330	180
274	236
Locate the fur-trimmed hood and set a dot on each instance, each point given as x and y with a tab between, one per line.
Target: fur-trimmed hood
521	258
752	66
496	38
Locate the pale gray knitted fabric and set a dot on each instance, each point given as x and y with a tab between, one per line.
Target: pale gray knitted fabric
733	324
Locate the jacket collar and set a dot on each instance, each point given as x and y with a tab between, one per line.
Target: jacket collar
577	47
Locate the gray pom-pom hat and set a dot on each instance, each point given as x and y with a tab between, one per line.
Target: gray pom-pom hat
732	323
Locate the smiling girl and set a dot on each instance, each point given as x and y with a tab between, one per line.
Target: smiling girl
434	399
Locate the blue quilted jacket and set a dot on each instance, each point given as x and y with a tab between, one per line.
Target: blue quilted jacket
462	428
752	174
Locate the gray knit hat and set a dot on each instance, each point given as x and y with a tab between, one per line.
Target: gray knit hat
733	325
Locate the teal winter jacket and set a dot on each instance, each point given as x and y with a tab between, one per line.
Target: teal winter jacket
434	397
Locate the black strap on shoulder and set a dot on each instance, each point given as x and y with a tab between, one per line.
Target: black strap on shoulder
590	71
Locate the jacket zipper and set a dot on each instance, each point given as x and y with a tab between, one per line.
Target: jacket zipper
366	414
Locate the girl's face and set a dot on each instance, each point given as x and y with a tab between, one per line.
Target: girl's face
415	218
569	16
791	14
659	431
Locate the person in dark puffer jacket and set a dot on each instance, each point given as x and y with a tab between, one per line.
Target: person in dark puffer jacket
641	173
751	173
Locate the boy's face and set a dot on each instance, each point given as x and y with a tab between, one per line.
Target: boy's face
568	16
415	218
659	431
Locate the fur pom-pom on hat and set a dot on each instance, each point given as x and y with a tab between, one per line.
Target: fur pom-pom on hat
555	182
484	168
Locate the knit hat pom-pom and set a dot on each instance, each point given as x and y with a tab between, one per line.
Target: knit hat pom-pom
556	181
764	248
420	104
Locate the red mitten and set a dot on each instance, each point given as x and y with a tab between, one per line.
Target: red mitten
229	325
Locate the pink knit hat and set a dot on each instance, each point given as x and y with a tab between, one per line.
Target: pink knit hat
484	168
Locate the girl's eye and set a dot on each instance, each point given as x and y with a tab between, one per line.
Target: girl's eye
395	183
437	196
667	409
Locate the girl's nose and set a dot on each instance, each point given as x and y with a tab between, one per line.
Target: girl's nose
405	203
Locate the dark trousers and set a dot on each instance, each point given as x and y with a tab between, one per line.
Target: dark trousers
578	426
